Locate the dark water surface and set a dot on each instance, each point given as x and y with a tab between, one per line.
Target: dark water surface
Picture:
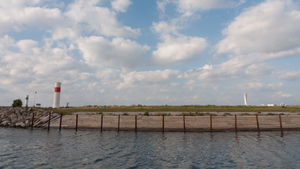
21	148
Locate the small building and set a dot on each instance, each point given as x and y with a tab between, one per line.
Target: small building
271	105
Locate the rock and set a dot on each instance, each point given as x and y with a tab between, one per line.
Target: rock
21	118
13	121
4	123
44	119
21	124
13	115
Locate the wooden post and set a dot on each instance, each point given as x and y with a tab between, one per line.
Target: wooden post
49	121
210	123
163	123
235	123
257	123
118	123
135	123
183	123
101	123
76	122
280	124
60	121
32	119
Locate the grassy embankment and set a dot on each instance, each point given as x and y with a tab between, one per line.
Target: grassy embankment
201	109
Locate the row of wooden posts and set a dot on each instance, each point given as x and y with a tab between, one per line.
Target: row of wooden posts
163	123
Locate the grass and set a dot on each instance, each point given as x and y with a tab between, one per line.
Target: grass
183	108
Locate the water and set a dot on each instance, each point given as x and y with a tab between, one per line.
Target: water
21	148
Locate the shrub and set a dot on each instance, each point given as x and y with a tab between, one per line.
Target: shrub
17	103
146	113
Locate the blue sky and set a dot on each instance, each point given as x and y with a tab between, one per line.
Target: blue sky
175	52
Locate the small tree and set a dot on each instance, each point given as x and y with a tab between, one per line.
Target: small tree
17	103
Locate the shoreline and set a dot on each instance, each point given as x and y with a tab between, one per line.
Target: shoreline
180	123
173	113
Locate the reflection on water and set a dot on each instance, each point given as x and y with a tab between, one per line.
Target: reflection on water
91	149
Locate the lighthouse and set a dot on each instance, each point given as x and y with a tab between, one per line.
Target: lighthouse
56	99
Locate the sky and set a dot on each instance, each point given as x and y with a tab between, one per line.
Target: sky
174	52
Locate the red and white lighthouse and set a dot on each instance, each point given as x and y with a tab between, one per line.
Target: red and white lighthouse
56	99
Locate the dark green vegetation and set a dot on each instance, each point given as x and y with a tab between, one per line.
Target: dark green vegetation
185	108
17	103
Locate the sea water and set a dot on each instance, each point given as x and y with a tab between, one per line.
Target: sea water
25	148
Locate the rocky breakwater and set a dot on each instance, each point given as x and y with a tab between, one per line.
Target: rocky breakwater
19	117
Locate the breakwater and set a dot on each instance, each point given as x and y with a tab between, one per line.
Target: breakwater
24	118
180	123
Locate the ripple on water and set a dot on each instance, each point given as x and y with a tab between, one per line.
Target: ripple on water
21	148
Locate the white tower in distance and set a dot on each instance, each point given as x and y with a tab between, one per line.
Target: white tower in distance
245	99
56	99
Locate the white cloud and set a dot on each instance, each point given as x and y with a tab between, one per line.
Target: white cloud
178	49
120	5
161	5
262	32
187	7
25	71
227	70
18	14
175	46
192	5
259	86
5	43
80	16
119	52
98	19
258	70
287	75
166	28
272	28
148	78
27	45
280	95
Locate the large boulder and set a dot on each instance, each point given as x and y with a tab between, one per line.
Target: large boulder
13	116
14	121
4	123
21	124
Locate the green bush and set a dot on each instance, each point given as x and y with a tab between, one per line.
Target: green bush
146	113
17	103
